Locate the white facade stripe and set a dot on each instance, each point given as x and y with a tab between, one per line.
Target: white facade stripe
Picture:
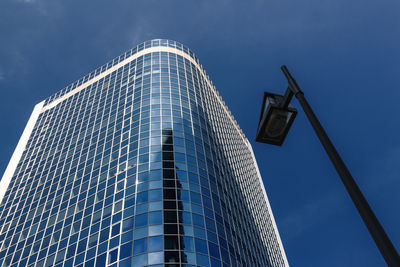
12	165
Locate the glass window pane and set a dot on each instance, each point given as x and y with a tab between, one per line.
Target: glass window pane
155	243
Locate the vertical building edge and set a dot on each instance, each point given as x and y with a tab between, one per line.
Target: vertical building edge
278	236
16	156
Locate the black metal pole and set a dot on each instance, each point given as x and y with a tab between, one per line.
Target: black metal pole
376	230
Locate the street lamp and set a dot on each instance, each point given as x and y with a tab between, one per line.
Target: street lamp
275	120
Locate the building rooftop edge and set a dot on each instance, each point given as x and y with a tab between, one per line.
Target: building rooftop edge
53	99
116	60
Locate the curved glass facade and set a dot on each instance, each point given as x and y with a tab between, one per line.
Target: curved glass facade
139	163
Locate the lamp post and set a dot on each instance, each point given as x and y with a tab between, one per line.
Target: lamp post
275	120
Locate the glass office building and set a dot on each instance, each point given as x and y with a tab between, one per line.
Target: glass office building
139	163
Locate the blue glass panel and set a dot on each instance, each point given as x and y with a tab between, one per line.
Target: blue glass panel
214	250
142	197
187	243
201	246
126	250
69	263
141	220
126	263
202	260
188	230
127	224
91	253
115	229
155	258
140	233
198	220
155	243
113	256
155	195
130	201
143	177
129	212
114	242
71	250
102	248
215	263
225	256
188	258
139	261
104	235
212	237
79	259
89	263
197	209
101	260
155	205
81	246
93	240
140	246
128	236
156	230
184	195
186	218
155	217
117	217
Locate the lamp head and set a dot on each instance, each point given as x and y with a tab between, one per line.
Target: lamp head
275	120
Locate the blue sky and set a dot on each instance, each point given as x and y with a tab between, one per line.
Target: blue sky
344	54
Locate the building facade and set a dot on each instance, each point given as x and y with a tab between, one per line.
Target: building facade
139	163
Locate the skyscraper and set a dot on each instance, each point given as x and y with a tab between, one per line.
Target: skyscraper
139	163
